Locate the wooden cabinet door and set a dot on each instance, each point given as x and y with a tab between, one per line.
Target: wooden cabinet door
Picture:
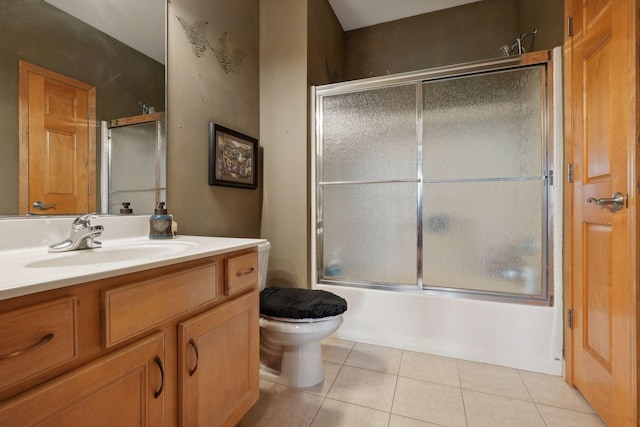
218	363
124	388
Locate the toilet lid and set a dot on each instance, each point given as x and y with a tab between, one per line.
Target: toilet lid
296	303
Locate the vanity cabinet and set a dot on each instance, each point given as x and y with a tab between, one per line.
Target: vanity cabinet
124	388
166	346
219	350
36	339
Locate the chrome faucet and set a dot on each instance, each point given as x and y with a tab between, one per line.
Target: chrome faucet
82	236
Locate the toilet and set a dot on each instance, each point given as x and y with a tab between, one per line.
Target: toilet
292	323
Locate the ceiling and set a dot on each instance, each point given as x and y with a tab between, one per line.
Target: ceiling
138	23
141	23
354	14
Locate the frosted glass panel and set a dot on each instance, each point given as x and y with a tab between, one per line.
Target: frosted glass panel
360	129
133	157
137	166
484	126
162	158
370	232
484	236
483	139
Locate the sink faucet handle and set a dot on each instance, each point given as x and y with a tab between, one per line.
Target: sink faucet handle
84	220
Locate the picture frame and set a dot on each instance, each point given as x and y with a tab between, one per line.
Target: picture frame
233	158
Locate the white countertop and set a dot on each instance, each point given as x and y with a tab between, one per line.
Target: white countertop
31	269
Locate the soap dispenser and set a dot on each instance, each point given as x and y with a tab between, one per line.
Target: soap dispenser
160	223
125	209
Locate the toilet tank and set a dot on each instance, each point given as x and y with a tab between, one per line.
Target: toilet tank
263	263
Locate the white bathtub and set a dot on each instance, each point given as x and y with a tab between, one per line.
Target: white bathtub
514	335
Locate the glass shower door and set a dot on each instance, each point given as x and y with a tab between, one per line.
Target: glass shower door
368	187
485	182
134	155
439	181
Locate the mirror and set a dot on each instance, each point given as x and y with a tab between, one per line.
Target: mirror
40	33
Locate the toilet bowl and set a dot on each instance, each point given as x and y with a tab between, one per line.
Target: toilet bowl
290	351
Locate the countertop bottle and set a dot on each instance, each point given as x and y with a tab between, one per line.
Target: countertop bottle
160	223
126	209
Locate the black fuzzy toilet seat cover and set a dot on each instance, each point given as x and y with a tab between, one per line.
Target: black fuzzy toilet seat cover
296	303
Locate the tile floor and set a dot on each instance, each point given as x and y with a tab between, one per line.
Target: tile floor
370	386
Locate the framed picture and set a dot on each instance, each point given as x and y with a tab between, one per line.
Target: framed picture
233	158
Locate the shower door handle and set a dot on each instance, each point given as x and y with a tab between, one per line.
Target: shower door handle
616	201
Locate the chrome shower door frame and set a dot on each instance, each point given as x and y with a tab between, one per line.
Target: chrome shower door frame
417	78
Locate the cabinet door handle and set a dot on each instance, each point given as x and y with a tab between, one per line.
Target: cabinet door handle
195	348
45	339
159	363
245	272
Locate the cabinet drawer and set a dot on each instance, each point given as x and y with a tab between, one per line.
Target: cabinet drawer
123	388
241	273
142	305
36	339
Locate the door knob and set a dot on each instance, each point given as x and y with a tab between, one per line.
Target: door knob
616	201
42	207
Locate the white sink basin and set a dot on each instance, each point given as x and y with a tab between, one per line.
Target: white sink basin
29	268
111	254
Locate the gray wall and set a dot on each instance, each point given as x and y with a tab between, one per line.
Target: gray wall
325	44
41	34
545	15
283	129
301	44
200	91
465	33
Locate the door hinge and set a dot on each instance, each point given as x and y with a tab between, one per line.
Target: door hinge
550	177
570	318
89	189
88	113
570	26
569	172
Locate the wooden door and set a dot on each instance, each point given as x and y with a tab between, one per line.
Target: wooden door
121	389
218	364
600	121
57	143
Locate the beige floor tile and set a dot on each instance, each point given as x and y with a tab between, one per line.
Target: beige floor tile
553	390
334	413
488	410
374	357
364	387
335	350
492	379
427	367
400	421
556	417
434	403
330	373
281	406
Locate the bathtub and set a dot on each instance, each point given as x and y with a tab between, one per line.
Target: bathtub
513	335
